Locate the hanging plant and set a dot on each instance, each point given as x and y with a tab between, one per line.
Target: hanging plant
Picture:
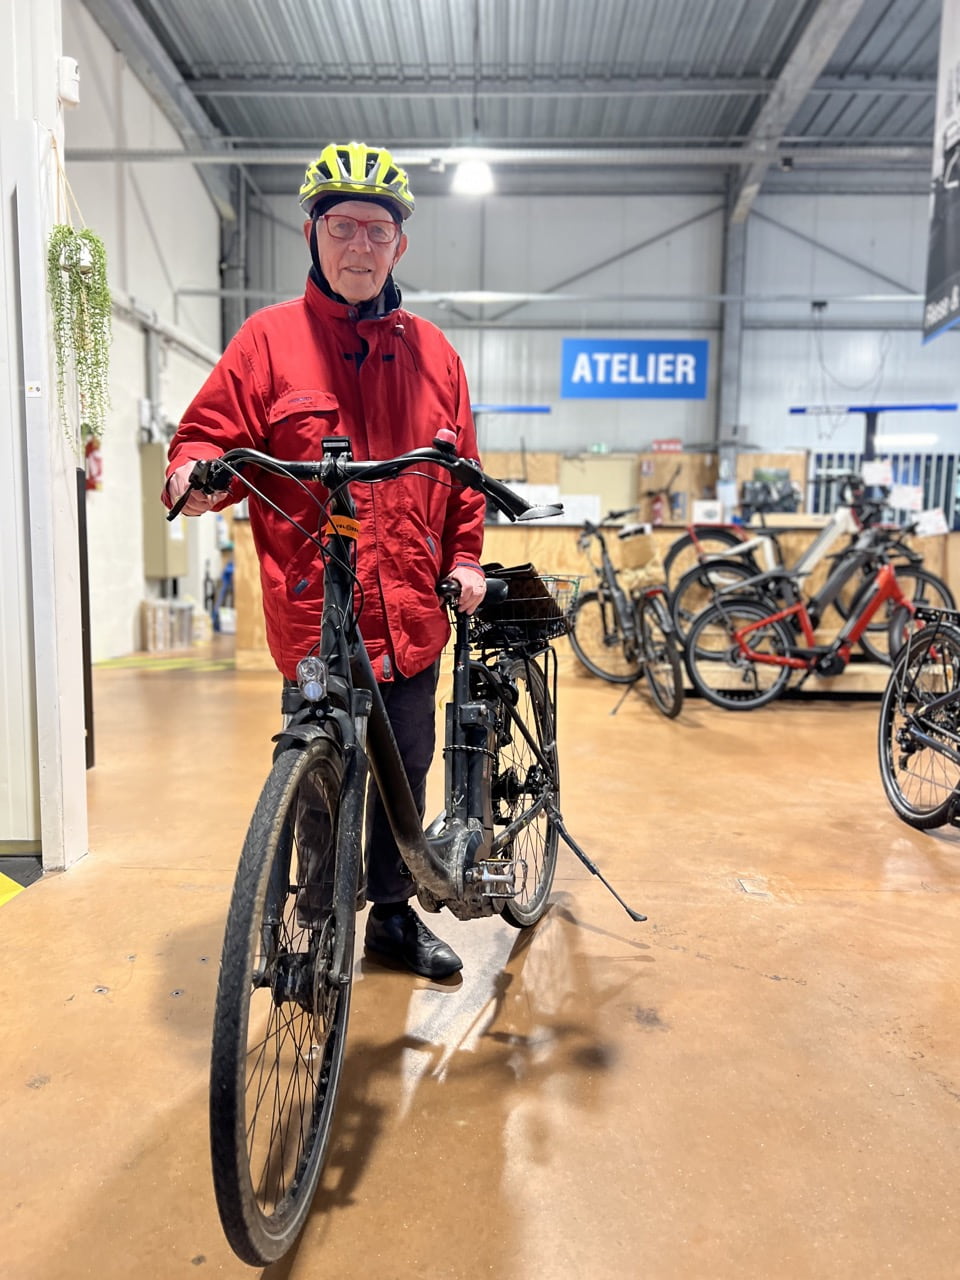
80	298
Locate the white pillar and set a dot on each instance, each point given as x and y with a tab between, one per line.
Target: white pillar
42	739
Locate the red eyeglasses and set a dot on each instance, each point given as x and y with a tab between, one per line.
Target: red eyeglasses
342	227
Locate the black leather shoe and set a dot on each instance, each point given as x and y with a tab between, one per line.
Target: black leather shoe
404	937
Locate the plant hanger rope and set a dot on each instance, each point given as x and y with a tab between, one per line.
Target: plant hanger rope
65	193
81	304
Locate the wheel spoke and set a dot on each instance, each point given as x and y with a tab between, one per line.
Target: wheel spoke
279	1026
919	762
524	790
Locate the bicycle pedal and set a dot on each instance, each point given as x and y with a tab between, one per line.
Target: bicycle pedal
497	878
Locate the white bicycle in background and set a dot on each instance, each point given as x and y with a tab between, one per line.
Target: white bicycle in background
740	567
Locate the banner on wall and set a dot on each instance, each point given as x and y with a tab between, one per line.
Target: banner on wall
634	369
942	304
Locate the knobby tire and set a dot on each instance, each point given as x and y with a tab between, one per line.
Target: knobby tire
281	1014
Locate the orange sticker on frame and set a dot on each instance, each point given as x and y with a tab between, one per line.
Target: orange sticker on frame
344	525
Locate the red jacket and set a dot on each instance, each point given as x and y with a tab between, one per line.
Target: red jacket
297	372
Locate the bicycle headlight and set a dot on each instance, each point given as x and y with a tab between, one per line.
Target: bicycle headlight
312	678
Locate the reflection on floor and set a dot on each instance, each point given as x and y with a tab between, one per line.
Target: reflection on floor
761	1081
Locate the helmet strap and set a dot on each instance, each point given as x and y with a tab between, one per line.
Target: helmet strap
314	250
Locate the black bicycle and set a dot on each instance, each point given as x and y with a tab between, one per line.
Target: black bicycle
919	728
622	636
283	995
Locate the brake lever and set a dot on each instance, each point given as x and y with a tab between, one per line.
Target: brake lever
198	478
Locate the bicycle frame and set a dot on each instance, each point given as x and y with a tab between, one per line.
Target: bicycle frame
442	859
847	567
884	588
608	582
463	834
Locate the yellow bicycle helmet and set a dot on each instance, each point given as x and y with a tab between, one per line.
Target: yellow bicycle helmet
354	169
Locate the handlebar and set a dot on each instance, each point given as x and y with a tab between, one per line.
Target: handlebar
336	469
591	526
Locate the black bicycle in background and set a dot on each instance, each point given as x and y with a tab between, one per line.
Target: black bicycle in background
919	728
870	544
283	995
623	635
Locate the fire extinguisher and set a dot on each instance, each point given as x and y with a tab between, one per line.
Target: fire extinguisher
657	509
94	464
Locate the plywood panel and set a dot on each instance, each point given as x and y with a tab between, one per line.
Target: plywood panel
612	476
530	468
251	645
690	476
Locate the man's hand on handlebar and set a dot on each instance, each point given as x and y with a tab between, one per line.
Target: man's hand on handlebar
473	587
177	486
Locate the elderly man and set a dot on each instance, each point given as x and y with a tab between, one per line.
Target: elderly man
346	359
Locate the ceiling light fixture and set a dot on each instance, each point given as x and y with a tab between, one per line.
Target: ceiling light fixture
473	175
472	178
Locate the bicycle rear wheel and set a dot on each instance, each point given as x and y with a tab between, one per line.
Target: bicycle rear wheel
281	1010
661	659
684	554
919	745
526	782
696	589
599	642
716	665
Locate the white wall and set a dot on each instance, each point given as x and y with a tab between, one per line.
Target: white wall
870	246
161	233
19	792
42	792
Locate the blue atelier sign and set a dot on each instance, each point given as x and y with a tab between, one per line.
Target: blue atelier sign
628	369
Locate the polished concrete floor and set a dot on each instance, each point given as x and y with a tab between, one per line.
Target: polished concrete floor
761	1081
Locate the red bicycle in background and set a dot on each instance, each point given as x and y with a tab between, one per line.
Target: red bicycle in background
743	649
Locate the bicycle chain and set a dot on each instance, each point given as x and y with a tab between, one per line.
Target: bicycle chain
492	755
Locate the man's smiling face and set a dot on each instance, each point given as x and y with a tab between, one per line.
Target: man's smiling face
357	268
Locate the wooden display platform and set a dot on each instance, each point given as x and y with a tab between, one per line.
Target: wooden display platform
553	549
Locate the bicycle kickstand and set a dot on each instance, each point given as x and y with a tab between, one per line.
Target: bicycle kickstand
626	693
591	866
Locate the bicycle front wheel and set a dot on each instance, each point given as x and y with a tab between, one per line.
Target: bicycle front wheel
718	668
525	788
924	590
281	1010
598	640
891	625
919	743
661	659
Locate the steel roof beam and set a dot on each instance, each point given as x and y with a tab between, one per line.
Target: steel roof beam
544	157
827	26
127	30
595	87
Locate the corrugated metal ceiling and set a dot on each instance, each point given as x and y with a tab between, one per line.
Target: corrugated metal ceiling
434	74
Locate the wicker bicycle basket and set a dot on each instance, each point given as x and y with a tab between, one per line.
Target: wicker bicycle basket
538	608
636	549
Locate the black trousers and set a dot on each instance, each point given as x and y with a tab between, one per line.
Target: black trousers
411	710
